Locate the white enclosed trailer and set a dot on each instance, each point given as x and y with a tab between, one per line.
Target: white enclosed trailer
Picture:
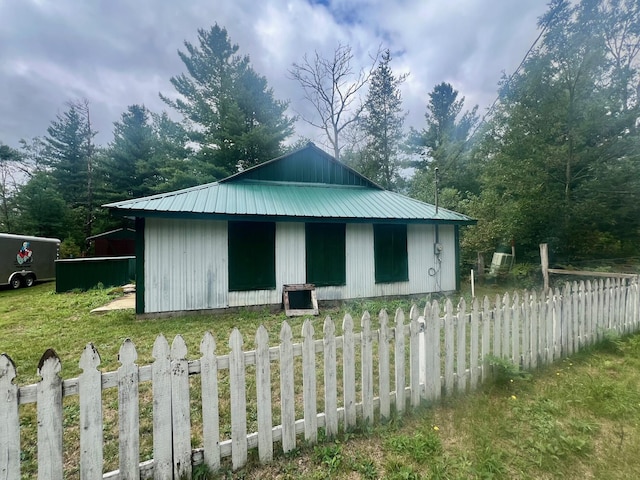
25	259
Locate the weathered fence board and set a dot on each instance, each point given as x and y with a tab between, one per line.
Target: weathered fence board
209	386
384	380
161	381
9	421
399	361
461	358
90	391
309	384
349	373
330	379
366	354
238	394
531	330
128	412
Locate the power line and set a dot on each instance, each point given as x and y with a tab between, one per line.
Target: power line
522	62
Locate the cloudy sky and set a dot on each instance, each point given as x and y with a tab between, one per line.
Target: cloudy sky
117	53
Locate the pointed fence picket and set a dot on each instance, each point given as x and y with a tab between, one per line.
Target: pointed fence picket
445	355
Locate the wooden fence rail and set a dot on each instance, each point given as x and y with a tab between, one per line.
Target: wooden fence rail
438	352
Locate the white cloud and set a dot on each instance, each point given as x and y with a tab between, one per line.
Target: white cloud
120	52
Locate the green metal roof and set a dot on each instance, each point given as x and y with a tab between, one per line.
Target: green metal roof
306	185
250	198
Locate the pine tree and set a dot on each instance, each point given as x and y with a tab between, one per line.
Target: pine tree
382	124
235	119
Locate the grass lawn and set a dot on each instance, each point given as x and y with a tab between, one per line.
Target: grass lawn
578	419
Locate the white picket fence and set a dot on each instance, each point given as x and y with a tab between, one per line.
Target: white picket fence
434	353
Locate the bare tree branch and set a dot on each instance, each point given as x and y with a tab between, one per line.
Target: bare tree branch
332	87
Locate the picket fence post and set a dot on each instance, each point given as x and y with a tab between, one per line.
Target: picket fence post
238	394
506	326
161	386
516	337
348	373
9	421
263	395
128	412
433	385
383	366
474	347
414	355
461	336
486	338
209	388
90	392
309	383
449	349
330	379
399	361
180	409
366	354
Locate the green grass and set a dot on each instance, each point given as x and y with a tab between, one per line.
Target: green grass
578	419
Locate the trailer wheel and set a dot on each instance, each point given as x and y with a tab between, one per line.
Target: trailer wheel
29	280
16	281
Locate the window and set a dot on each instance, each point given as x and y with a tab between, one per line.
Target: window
325	248
252	256
390	252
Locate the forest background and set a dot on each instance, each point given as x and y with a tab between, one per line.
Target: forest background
556	159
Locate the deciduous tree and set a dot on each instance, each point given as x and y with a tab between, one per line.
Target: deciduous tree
332	87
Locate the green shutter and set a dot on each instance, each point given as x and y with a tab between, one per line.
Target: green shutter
325	252
390	252
252	256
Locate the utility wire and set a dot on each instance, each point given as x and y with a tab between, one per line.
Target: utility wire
522	62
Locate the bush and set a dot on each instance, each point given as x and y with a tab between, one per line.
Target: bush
69	249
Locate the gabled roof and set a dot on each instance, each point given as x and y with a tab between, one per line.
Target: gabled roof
305	185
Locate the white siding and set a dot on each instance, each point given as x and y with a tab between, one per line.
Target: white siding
447	277
359	257
186	265
426	274
420	240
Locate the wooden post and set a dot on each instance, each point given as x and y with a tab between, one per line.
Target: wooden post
544	261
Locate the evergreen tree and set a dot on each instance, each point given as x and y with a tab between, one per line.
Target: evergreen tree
559	146
382	124
71	157
67	153
443	144
148	155
236	121
42	211
130	154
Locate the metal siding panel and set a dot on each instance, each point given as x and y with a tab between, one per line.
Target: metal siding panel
447	239
290	255
186	265
359	255
420	240
252	297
